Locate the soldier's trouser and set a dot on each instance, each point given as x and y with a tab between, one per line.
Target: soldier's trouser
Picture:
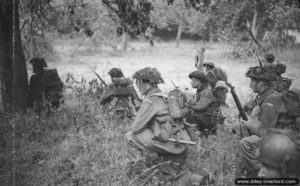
202	121
140	145
248	147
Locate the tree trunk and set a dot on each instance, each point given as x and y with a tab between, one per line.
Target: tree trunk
179	31
211	34
124	43
254	26
13	72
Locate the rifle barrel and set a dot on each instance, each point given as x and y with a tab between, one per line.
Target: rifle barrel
182	141
97	76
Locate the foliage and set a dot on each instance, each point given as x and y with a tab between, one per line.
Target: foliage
135	17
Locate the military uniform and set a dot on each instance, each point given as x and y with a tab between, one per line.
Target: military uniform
265	115
44	84
118	100
215	74
152	128
119	97
205	111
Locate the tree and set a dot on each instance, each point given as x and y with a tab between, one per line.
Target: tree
38	16
134	17
257	16
13	67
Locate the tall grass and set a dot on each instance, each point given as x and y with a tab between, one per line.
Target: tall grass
78	145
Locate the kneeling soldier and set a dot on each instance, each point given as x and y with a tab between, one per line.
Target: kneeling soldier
119	97
205	110
152	129
45	83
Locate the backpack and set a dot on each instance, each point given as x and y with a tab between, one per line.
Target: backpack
293	110
216	74
176	100
53	85
221	95
220	74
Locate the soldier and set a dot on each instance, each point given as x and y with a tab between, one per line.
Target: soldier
152	127
119	96
45	83
279	154
214	73
265	113
205	111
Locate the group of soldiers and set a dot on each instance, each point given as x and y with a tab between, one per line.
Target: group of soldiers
272	148
164	124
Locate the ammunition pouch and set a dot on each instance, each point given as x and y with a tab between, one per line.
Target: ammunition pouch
161	128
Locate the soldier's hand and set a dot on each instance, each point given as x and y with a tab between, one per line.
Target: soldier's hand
250	125
246	124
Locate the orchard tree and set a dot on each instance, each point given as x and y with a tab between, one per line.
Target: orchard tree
175	16
257	17
134	16
38	17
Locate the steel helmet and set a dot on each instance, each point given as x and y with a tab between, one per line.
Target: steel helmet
149	74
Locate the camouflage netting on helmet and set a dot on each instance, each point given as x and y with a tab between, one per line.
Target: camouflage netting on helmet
262	73
149	74
115	72
199	75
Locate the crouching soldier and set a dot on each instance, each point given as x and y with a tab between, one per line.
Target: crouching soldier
152	129
205	111
265	113
120	96
279	154
44	84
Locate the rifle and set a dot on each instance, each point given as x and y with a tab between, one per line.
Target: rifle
238	105
98	76
174	84
182	141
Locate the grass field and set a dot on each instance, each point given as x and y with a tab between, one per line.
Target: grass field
76	145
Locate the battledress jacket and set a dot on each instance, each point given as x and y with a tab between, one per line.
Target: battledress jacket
154	109
205	108
265	115
267	111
